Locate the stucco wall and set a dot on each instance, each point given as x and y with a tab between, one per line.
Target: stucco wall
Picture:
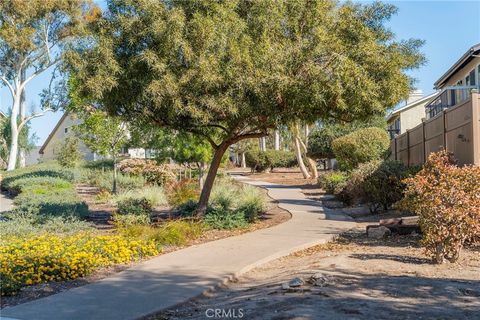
412	117
461	74
59	136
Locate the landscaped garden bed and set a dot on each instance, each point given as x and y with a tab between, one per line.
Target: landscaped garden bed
49	249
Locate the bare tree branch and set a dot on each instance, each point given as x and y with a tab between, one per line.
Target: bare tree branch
12	90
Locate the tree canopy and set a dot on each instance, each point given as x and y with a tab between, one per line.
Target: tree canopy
232	70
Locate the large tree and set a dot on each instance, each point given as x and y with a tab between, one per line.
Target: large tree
232	70
33	36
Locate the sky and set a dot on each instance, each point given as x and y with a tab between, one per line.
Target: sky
449	28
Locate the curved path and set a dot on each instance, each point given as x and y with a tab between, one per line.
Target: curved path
6	203
172	278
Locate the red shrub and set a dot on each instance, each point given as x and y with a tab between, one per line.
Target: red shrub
447	199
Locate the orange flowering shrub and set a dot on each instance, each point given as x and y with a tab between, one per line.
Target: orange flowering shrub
447	200
149	169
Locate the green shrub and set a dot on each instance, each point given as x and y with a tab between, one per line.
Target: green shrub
262	160
256	160
134	206
360	146
353	192
45	189
155	195
104	180
446	199
219	217
251	203
68	155
333	182
182	191
28	223
384	186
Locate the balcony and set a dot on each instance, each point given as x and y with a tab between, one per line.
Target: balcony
448	98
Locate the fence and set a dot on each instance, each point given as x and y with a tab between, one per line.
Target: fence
456	129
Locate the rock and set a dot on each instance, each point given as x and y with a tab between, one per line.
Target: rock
296	282
285	286
378	232
320	280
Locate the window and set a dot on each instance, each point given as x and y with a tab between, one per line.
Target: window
66	130
472	77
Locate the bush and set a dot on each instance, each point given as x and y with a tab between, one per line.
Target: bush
68	154
178	232
360	146
149	169
104	181
353	191
182	191
256	160
251	203
333	182
28	223
155	195
384	186
134	206
46	191
262	160
446	199
56	258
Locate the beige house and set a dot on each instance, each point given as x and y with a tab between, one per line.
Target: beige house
409	115
63	129
452	117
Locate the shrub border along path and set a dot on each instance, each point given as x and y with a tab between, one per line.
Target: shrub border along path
173	278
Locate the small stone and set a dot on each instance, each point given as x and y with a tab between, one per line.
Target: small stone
320	280
378	232
296	282
285	286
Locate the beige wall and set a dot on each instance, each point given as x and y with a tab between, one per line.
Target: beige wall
59	136
457	129
461	74
412	117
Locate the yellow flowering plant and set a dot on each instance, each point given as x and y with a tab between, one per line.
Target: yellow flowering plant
50	257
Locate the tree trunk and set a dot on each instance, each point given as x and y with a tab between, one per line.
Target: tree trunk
13	152
298	154
212	172
114	188
244	162
200	166
312	164
23	112
277	140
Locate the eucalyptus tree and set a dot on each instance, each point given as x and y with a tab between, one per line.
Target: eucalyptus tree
33	36
233	70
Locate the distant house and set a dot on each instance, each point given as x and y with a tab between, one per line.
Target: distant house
2	115
410	115
63	129
452	120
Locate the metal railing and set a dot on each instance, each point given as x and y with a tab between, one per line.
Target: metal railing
447	98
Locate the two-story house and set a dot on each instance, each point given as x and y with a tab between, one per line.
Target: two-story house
452	117
410	115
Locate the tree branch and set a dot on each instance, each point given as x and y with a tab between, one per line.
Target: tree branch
12	91
32	116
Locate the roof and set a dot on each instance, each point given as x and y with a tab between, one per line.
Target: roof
50	136
412	104
466	58
2	114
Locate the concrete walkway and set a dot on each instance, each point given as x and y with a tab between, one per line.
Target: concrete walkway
172	278
6	203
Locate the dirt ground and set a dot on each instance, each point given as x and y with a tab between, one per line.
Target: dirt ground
354	277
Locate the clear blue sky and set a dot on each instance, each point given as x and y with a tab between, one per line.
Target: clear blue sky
448	27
